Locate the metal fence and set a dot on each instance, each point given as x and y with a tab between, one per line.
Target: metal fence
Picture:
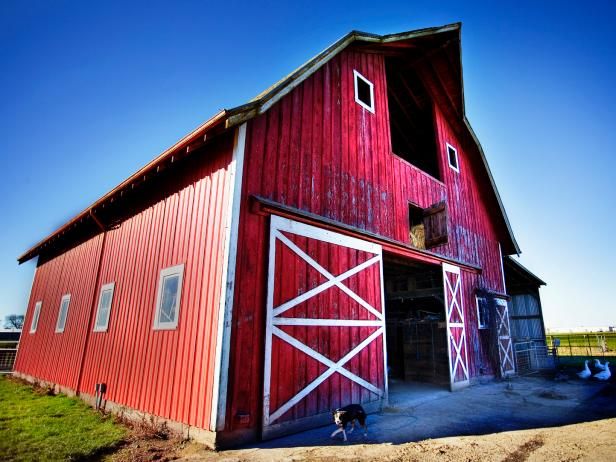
8	351
533	357
590	344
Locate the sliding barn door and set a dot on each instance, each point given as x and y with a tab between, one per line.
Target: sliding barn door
505	347
325	326
456	330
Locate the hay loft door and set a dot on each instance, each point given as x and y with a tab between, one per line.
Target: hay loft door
325	326
456	331
505	347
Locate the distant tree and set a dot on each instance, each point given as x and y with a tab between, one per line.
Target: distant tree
14	321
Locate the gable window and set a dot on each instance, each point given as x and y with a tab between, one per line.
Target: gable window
35	317
428	227
63	313
364	91
482	312
168	298
104	307
452	157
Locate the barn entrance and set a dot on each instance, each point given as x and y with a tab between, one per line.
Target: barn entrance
415	320
425	329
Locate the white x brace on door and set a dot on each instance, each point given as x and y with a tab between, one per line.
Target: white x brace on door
456	331
505	346
325	324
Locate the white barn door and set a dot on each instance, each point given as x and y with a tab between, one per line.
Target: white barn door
325	326
505	346
456	330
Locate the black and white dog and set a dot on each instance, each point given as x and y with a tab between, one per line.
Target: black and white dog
349	414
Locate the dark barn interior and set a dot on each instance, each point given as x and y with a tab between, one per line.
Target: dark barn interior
411	117
415	315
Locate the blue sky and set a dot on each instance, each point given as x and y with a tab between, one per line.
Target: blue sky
91	91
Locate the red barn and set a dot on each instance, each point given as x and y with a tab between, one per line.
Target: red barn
289	256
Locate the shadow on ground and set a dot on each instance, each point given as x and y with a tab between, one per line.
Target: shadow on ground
421	411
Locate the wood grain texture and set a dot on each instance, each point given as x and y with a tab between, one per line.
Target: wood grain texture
319	151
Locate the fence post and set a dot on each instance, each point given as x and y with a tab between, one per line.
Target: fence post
589	347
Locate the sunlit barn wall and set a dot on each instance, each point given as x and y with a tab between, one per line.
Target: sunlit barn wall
319	151
168	373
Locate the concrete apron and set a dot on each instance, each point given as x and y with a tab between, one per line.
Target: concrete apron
420	411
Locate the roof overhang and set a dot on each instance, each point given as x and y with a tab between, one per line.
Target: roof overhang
187	145
226	119
510	264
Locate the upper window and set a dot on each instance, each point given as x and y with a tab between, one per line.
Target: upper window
35	317
168	297
482	312
63	314
364	92
452	157
104	307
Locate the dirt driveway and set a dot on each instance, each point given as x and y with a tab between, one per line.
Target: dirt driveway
420	424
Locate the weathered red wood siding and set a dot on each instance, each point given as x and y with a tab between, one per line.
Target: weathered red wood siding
319	151
168	373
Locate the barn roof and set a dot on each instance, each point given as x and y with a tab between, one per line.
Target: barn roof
226	119
516	269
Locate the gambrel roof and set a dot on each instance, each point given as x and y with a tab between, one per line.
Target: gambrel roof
422	41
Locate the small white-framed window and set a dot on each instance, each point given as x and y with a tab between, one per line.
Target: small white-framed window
364	91
482	312
105	300
168	298
35	316
63	313
452	157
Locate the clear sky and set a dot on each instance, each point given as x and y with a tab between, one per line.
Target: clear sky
91	91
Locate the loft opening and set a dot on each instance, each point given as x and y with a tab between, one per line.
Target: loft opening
415	324
411	117
428	227
364	91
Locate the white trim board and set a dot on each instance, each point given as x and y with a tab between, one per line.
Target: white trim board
225	307
278	228
356	78
455	151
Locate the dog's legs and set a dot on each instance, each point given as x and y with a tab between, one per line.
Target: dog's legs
344	434
365	429
338	430
352	426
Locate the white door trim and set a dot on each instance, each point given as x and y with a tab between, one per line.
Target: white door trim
274	318
227	288
454	299
506	356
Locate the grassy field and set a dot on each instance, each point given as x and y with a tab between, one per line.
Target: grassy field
596	344
38	426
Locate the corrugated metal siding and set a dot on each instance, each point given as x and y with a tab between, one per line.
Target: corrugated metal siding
319	151
51	356
166	373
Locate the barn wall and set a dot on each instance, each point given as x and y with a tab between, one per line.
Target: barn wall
319	151
56	357
168	373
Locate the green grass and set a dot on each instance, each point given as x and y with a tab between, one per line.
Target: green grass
37	426
584	343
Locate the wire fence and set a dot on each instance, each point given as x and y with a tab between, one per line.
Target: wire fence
532	357
595	344
8	352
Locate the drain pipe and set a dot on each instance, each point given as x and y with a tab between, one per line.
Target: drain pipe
93	309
